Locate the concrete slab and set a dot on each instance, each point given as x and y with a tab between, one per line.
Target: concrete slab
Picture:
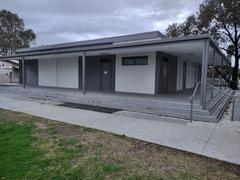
221	141
237	107
224	143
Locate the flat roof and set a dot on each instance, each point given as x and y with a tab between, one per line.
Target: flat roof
94	42
118	42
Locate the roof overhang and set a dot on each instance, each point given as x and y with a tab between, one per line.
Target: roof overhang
166	45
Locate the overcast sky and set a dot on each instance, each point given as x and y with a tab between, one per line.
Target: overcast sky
56	21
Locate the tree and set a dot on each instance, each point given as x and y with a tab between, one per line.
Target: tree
187	28
221	19
13	34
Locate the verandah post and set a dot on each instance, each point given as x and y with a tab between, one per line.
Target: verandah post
221	74
84	73
213	72
205	52
23	72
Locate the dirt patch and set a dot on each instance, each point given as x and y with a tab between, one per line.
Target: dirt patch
136	154
41	125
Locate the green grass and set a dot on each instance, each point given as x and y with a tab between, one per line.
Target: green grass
17	152
21	159
36	148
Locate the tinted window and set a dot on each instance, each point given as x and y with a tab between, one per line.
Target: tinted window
127	61
140	60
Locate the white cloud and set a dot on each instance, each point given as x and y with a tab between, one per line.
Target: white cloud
56	21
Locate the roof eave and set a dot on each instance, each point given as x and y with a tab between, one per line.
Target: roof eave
122	45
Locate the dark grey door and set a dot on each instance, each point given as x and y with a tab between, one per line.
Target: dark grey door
31	72
164	76
106	75
184	75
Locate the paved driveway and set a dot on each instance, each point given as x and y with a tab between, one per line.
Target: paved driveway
220	141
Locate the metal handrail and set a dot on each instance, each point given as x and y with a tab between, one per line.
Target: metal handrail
231	96
222	91
191	100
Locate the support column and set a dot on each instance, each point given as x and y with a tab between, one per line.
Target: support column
23	73
225	82
204	72
213	72
84	73
221	74
229	75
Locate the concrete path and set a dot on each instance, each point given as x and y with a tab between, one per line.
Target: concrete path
236	116
220	141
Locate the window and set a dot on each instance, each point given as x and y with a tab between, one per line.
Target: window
127	61
139	60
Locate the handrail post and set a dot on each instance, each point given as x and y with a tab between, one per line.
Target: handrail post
191	101
191	111
233	109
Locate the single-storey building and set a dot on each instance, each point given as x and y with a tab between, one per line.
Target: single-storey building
144	63
9	72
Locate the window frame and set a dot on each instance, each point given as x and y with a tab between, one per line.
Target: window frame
135	60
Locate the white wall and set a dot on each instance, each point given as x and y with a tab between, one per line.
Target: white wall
47	72
58	72
190	74
179	74
67	73
136	78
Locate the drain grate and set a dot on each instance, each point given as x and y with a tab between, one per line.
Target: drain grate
90	107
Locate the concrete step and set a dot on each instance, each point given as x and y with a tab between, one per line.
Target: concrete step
196	116
148	106
217	101
211	103
219	110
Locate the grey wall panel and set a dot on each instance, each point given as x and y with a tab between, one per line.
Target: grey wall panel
31	72
157	74
172	75
93	69
20	71
80	72
93	73
113	72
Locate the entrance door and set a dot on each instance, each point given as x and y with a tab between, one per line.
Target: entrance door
164	76
184	75
106	75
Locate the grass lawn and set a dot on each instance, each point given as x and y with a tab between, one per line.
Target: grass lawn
37	148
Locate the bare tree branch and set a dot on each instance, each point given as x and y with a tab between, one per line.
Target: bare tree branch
228	33
238	37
